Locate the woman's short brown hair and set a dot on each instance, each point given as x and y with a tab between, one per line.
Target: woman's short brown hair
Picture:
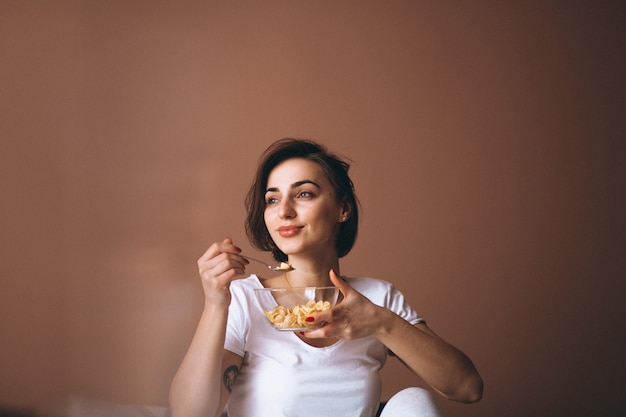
336	170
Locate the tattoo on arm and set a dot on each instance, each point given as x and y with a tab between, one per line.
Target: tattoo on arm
229	377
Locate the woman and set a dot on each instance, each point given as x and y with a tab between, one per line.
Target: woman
303	209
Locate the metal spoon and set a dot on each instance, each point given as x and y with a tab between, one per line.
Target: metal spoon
283	267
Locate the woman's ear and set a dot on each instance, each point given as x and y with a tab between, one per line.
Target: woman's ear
344	214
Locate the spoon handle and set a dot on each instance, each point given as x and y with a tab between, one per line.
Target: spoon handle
256	260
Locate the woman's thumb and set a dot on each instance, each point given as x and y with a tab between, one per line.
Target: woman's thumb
338	281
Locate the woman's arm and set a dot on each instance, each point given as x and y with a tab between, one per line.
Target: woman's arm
198	387
445	368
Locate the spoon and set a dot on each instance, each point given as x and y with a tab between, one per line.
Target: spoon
283	267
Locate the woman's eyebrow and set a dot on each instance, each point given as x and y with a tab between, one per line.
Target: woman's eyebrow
294	185
299	183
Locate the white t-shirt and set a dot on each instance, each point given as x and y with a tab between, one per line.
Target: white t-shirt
282	376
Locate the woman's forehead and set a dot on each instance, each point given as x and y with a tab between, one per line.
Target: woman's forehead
295	170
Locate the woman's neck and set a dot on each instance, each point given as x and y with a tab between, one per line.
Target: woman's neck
311	272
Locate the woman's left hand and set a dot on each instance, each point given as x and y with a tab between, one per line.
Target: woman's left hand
354	317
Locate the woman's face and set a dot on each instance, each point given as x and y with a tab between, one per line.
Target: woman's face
302	212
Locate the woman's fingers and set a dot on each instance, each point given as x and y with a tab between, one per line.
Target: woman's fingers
226	246
221	263
223	266
352	318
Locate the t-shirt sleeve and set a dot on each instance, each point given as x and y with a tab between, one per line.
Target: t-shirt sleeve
397	303
236	325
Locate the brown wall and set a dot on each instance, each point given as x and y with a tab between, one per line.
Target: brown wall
487	140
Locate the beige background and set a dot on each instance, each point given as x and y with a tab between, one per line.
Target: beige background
487	141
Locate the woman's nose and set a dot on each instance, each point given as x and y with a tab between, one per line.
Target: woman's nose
285	210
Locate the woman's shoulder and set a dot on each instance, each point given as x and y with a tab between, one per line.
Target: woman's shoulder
245	285
367	284
384	293
242	292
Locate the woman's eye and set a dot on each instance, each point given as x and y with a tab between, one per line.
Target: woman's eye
271	200
305	194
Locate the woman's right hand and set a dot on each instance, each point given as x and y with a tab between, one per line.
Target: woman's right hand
218	266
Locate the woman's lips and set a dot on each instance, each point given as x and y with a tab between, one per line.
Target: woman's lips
288	231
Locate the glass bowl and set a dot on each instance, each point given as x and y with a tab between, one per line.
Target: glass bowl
287	308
